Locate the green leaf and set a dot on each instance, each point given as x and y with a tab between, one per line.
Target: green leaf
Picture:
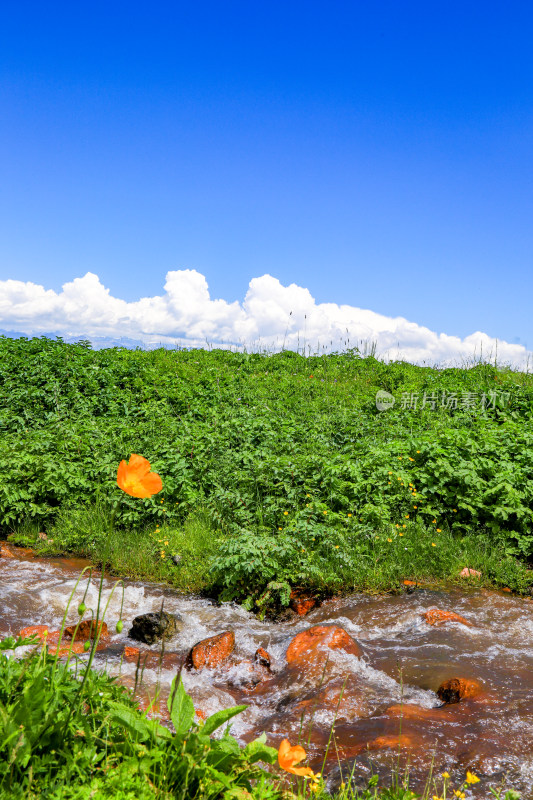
143	728
258	750
181	707
216	720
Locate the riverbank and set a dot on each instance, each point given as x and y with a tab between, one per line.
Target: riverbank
191	559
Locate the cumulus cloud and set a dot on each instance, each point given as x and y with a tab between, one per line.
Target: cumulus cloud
271	316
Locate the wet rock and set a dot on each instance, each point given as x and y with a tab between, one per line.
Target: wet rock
311	645
86	630
456	689
4	552
211	652
302	602
394	742
35	630
67	649
437	617
152	627
150	659
344	699
417	713
263	658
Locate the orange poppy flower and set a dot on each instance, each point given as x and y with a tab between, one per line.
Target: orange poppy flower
135	477
289	756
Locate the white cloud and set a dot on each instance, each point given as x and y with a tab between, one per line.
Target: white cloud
271	316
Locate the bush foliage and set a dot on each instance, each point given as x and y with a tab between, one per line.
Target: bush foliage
299	475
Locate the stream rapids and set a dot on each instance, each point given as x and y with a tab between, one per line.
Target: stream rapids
384	700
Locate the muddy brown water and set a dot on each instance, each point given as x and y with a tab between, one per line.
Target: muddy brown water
388	691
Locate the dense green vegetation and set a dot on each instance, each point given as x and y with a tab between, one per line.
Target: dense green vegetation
278	470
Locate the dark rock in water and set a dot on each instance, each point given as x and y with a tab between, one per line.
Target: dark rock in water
457	689
153	627
263	658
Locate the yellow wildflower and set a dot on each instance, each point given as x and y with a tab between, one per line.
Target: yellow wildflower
471	778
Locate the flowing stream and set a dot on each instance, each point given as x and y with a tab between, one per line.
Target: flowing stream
388	690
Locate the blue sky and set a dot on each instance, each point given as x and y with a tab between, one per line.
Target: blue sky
377	155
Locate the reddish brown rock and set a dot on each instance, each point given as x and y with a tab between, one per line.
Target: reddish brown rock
301	602
262	658
152	659
310	645
456	689
393	742
346	697
86	630
411	711
211	652
64	650
35	630
4	552
470	573
437	617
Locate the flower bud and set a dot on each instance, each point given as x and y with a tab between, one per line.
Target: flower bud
82	608
120	625
86	645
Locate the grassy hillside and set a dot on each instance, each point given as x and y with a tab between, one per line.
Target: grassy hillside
278	470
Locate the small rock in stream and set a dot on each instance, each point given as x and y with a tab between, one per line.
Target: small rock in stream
211	652
154	626
86	630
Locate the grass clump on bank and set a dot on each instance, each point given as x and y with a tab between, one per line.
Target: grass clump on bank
67	739
278	470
